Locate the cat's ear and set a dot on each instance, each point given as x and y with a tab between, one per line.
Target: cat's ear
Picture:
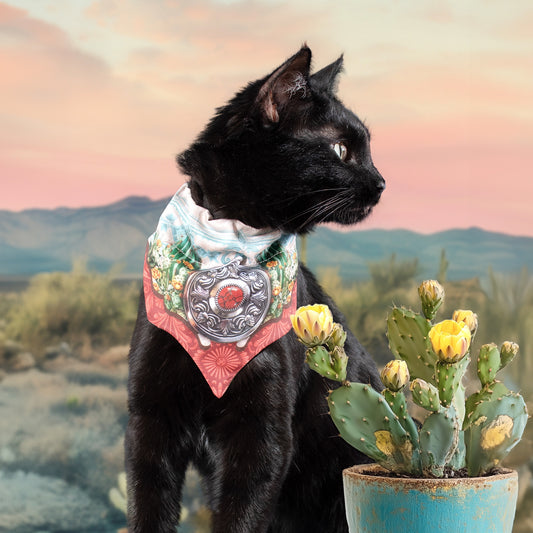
289	82
326	80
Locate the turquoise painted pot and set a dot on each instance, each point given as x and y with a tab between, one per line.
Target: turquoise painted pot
381	504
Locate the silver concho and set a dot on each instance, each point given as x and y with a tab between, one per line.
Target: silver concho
227	303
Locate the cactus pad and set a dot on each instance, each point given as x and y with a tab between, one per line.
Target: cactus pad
490	392
494	428
488	363
439	440
408	332
366	421
449	377
426	395
398	404
318	358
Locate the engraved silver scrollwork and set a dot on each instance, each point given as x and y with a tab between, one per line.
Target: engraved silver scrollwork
227	303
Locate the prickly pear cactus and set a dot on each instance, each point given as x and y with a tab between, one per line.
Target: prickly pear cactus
477	432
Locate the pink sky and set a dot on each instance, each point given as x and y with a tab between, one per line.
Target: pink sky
98	96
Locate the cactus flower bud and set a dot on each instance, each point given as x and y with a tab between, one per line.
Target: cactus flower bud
425	394
339	361
508	351
313	324
450	340
468	317
395	375
337	337
431	295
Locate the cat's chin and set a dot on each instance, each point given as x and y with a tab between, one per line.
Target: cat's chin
364	212
353	216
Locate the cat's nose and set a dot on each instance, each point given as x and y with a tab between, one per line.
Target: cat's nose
379	182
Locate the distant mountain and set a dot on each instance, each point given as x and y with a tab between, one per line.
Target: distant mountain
469	252
37	240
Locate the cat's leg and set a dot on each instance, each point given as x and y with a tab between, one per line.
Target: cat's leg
159	437
155	466
252	448
312	500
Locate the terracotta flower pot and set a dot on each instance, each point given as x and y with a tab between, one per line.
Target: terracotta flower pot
382	504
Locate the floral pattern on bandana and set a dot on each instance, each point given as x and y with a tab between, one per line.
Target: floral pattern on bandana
222	289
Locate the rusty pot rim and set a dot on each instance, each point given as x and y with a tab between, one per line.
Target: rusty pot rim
358	471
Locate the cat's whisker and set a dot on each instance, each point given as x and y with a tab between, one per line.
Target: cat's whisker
281	201
325	208
323	204
312	211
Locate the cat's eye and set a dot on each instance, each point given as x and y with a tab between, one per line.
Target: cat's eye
341	150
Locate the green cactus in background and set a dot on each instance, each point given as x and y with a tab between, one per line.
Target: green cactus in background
475	432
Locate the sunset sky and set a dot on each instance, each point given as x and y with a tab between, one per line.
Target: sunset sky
97	96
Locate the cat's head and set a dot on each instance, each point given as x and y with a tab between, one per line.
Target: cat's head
285	153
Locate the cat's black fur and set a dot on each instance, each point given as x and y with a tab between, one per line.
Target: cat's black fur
268	451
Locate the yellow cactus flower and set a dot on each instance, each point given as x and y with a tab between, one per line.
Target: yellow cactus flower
468	317
395	375
450	340
313	324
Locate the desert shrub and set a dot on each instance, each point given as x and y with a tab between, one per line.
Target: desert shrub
366	303
79	307
508	315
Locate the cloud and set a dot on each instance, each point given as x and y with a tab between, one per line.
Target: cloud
94	104
71	131
205	23
68	96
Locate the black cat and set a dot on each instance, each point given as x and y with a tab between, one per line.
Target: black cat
286	154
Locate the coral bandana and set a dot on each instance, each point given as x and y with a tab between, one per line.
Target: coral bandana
224	290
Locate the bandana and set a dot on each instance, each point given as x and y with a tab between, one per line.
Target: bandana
224	290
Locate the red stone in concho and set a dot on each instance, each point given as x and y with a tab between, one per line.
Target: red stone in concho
230	297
